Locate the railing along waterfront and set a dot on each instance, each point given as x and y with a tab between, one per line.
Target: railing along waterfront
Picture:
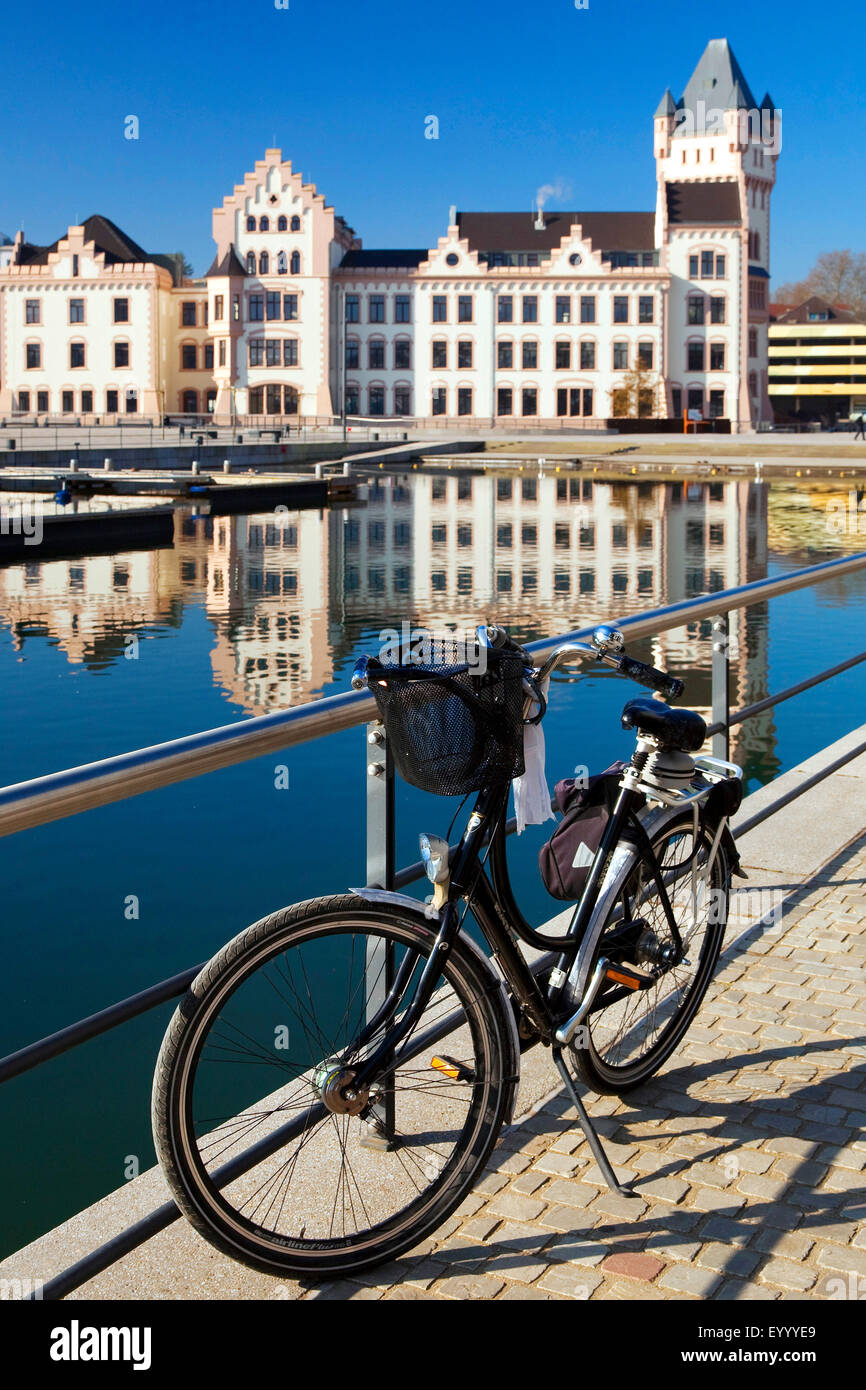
71	792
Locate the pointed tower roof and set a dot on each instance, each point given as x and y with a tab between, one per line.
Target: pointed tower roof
768	103
718	81
228	264
667	106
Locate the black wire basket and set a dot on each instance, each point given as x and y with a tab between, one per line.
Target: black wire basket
453	726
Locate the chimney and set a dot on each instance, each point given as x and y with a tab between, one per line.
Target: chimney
539	221
452	215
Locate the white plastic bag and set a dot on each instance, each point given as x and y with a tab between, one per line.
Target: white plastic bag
531	792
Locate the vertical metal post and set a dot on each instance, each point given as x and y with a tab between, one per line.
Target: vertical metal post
721	687
380	874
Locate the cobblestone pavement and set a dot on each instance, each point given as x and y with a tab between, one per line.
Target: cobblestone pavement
746	1153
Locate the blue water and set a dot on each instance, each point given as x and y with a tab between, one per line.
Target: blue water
108	903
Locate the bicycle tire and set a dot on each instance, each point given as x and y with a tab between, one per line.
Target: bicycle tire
302	1242
593	1061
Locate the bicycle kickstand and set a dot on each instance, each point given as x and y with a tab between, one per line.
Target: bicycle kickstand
589	1129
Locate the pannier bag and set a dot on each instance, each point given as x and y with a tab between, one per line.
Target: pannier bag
566	858
453	726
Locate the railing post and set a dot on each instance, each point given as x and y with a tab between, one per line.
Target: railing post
380	874
721	687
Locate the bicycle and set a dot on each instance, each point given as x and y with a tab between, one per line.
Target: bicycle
303	1113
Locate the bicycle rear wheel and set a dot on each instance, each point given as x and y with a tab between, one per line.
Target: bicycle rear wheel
630	1034
257	1156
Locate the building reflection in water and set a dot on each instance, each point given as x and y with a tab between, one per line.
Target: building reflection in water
291	595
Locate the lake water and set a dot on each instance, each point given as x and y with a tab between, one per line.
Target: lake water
246	615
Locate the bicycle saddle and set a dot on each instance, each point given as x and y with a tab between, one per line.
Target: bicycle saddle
682	729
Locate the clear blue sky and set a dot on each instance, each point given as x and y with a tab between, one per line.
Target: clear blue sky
526	94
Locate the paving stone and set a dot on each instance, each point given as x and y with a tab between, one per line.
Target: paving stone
525	1292
464	1286
642	1267
623	1208
709	1199
516	1206
768	1189
480	1227
702	1283
663	1190
570	1194
792	1245
577	1249
737	1291
727	1260
562	1164
843	1258
571	1283
787	1275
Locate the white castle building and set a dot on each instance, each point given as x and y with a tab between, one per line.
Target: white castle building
528	319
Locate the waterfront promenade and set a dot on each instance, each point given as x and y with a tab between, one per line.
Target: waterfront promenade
746	1153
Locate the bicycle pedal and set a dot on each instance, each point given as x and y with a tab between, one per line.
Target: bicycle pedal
632	979
449	1067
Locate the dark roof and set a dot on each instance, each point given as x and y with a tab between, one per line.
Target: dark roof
516	231
108	239
815	305
704	204
398	260
758	272
667	106
228	264
717	81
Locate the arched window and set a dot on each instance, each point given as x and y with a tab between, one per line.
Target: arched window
296	262
251	224
251	263
296	224
264	262
190	402
264	224
282	263
282	224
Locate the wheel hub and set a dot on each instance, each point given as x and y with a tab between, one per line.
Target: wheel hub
333	1082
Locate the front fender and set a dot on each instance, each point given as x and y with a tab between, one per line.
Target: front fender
485	965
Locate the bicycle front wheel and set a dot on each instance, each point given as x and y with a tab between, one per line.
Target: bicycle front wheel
630	1034
261	1153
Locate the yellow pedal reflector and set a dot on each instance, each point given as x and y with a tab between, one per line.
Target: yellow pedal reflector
631	981
449	1067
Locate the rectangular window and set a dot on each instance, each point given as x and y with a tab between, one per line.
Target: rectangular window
188	317
504	490
290	352
376	355
76	311
677	401
530	355
693	267
708	265
272	353
377	308
587	357
645	355
717	309
464	400
121	355
464	358
562	401
529	489
353	400
208	356
505	355
218	307
464	308
86	402
574	400
696	308
717	357
222	352
402	309
403	354
290	306
76	354
753	342
504	401
353	313
504	308
353	353
563	308
620	357
111	402
717	404
273	304
587	308
32	311
530	401
377	400
620	308
530	308
67	402
256	308
402	401
720	267
257	356
587	400
695	361
695	399
42	402
439	400
563	355
440	353
440	308
121	311
236	307
33	355
645	309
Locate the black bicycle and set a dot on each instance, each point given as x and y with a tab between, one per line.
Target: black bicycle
334	1081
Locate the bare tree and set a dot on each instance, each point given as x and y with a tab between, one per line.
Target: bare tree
837	276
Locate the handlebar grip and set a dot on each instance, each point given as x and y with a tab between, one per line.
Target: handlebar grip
359	673
639	671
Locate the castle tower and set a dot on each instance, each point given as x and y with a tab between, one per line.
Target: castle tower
716	151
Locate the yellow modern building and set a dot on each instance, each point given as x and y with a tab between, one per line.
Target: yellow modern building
817	363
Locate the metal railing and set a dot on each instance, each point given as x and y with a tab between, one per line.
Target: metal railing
71	792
